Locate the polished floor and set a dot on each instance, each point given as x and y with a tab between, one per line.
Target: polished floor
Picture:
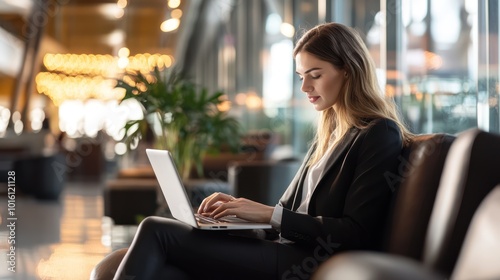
58	239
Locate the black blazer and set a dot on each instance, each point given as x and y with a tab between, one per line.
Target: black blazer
350	203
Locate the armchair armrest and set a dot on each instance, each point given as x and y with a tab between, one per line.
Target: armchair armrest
373	266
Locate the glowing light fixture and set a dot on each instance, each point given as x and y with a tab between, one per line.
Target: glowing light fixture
123	52
110	11
88	76
116	37
253	101
119	13
177	13
174	4
122	4
287	29
123	62
170	25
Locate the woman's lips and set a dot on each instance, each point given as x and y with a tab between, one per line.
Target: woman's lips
313	99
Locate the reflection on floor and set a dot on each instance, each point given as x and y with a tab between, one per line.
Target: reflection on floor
59	240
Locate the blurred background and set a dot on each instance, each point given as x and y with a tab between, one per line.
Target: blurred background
59	61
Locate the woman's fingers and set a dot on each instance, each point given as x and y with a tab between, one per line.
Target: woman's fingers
213	201
223	209
244	209
219	205
206	203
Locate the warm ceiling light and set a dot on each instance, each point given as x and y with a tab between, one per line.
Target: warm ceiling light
123	62
177	13
170	25
119	13
123	52
122	4
241	98
174	3
287	29
253	101
110	11
88	76
115	38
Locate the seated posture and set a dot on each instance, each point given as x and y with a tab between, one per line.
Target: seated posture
338	200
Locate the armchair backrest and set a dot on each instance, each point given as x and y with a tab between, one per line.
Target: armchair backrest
471	171
479	255
419	172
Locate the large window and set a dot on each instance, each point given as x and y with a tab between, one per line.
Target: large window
436	65
439	60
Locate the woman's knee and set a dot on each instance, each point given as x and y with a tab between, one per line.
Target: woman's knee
150	225
150	222
154	225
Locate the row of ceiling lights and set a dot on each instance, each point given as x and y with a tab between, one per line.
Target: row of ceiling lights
85	76
168	25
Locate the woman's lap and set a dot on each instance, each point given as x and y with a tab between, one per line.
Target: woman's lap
162	247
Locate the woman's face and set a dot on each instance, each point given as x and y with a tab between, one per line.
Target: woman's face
321	81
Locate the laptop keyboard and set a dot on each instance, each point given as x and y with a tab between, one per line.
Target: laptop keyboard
206	220
228	219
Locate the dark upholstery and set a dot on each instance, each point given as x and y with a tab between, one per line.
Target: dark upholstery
372	266
128	201
469	174
478	259
471	171
419	173
44	177
480	254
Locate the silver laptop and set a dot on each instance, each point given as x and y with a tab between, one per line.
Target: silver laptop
177	199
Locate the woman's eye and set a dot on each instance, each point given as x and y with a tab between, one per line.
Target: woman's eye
316	77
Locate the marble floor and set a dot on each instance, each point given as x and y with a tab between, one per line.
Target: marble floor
58	239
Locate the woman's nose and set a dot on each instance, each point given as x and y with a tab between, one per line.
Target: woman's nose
306	87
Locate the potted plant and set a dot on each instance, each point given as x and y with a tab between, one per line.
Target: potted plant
187	118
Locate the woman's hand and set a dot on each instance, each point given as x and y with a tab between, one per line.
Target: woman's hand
219	205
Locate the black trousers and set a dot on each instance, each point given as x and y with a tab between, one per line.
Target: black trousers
167	249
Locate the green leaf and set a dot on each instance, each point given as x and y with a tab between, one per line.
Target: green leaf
194	124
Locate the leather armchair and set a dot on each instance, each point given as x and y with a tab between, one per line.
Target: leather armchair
478	257
419	173
469	174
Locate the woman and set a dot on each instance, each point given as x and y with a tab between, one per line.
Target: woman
337	201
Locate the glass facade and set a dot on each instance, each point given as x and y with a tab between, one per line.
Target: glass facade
437	59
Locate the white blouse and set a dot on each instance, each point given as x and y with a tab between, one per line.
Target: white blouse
313	176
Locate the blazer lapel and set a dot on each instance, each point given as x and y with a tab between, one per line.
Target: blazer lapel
343	146
337	154
292	197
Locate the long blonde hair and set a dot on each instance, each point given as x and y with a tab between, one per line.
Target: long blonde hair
361	98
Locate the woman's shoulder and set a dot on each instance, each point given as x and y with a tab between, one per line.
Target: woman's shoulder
380	122
382	129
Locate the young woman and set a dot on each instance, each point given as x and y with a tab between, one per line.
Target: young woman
337	201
